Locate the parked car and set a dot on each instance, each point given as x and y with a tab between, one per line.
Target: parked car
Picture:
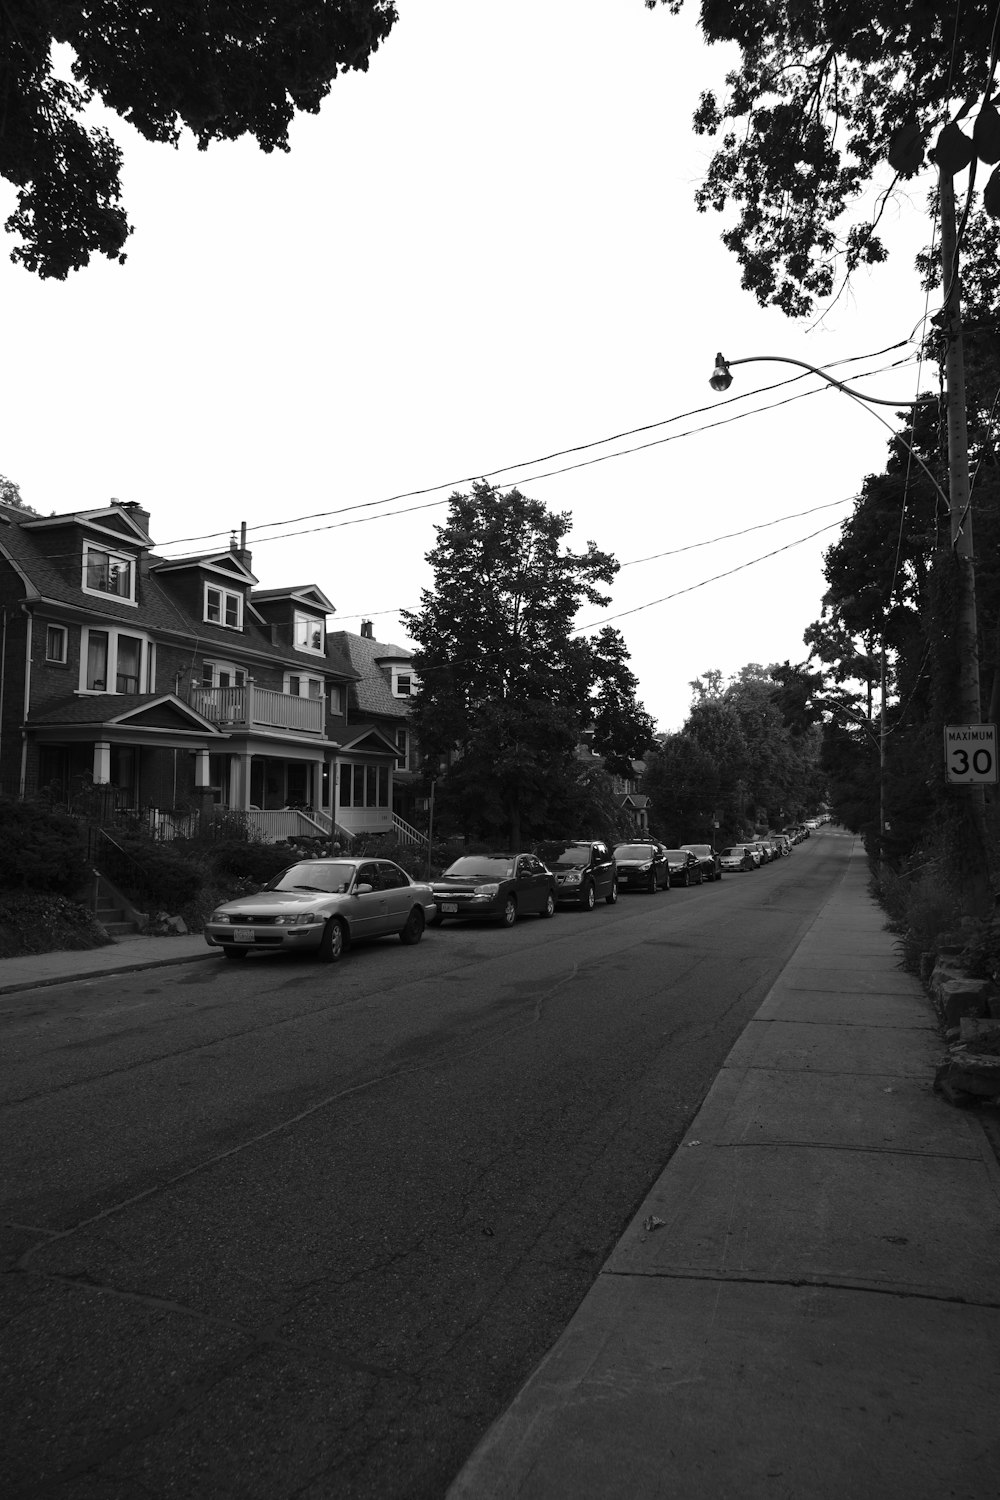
762	850
711	863
499	886
323	905
642	867
685	867
585	870
738	857
784	843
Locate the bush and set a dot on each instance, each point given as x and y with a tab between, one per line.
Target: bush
40	850
251	861
153	875
46	923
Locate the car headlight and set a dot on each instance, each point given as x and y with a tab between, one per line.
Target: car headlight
300	919
572	877
644	869
221	917
485	892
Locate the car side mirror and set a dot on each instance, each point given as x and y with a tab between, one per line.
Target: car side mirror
363	889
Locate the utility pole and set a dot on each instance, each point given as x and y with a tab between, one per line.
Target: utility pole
960	508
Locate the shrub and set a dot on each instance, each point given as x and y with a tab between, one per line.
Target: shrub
252	861
40	850
155	875
44	923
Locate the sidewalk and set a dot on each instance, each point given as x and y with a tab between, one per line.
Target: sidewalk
807	1305
37	970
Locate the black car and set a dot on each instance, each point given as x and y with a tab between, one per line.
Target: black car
685	868
585	870
642	867
710	861
500	886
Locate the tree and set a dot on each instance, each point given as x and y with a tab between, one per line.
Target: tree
822	95
220	70
505	689
10	494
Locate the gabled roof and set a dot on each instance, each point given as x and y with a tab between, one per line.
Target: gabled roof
370	737
151	710
308	595
226	563
118	519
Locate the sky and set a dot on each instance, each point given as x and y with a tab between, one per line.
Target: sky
482	252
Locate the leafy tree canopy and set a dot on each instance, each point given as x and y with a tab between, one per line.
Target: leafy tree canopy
507	689
219	69
822	93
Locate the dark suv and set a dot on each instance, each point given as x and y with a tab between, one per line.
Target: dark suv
585	870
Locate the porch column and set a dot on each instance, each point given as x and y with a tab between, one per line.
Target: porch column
102	762
317	786
201	773
239	782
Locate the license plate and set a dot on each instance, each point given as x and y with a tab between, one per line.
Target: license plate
243	935
449	906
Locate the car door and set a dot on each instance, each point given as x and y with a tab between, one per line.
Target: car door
600	864
368	908
532	883
399	897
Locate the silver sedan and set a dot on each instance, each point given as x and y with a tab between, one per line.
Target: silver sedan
323	905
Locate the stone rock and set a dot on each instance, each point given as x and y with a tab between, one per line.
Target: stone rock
956	998
969	1073
984	1031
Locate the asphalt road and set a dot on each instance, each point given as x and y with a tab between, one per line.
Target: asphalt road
293	1230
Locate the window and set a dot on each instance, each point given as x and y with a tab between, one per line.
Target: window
337	698
113	661
56	643
303	687
402	746
308	633
404	684
222	674
364	786
108	573
223	607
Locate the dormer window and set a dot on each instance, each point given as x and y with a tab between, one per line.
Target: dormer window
308	633
223	607
404	682
108	573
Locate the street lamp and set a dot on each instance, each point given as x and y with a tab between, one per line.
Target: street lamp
721	377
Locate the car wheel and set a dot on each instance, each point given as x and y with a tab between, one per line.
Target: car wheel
235	955
413	928
612	895
651	886
549	909
509	912
333	943
687	880
588	897
701	877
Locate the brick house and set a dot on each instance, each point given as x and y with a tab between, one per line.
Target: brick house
157	687
379	699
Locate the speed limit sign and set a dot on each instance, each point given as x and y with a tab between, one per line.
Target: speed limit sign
970	753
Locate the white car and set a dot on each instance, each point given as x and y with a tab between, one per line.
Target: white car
323	905
739	857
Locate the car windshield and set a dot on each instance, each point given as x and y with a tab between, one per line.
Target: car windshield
734	849
699	848
680	854
634	851
565	854
331	876
480	867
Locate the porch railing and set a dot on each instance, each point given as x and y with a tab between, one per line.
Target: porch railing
249	706
406	833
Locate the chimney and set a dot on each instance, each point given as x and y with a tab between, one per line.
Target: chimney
140	516
367	634
241	550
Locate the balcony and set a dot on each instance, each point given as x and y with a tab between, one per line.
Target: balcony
253	707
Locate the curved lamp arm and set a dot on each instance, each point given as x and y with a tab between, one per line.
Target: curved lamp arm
721	378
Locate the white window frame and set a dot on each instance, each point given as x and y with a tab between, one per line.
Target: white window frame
225	595
412	682
63	634
403	746
338	694
126	559
304	680
217	667
147	659
309	624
